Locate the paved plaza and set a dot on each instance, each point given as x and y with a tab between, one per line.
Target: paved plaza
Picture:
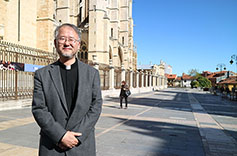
170	122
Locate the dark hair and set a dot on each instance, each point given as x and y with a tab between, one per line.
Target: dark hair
75	28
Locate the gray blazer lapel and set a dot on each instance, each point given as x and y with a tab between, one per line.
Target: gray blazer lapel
81	75
57	80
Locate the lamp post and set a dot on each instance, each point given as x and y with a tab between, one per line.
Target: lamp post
234	57
220	66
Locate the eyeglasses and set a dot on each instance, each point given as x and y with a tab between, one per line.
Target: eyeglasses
64	39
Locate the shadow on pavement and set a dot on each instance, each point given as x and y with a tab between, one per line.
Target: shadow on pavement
163	138
178	100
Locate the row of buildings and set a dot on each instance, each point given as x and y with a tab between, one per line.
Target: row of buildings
26	37
218	79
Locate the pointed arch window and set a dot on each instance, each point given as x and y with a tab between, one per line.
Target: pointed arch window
86	55
82	55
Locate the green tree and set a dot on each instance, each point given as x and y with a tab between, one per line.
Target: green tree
203	82
195	84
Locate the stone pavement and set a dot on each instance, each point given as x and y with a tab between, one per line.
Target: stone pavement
215	140
172	122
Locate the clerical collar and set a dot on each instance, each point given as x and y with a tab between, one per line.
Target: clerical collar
69	67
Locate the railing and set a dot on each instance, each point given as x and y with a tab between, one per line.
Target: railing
22	54
15	84
134	80
104	77
127	78
117	78
19	84
140	80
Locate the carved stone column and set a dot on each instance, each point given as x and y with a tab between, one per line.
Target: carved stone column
150	79
142	79
131	78
111	75
137	77
123	73
146	75
94	59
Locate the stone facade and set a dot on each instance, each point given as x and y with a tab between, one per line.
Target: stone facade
153	76
111	33
17	24
107	36
107	27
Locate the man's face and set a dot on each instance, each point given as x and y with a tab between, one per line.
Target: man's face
67	43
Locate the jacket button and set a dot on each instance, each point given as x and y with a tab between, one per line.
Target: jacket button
66	118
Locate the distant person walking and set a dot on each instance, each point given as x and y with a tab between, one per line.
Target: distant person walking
124	93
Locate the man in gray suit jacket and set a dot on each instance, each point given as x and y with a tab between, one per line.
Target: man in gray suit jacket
67	100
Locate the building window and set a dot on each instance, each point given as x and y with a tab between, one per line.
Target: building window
80	15
80	1
123	40
86	55
112	32
82	55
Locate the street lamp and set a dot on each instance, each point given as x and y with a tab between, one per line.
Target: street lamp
221	66
234	57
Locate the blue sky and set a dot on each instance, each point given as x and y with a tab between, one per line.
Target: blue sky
186	34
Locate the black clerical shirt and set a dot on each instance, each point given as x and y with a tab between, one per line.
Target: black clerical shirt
69	77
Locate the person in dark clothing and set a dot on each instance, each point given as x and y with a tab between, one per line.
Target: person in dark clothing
222	89
122	95
227	90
